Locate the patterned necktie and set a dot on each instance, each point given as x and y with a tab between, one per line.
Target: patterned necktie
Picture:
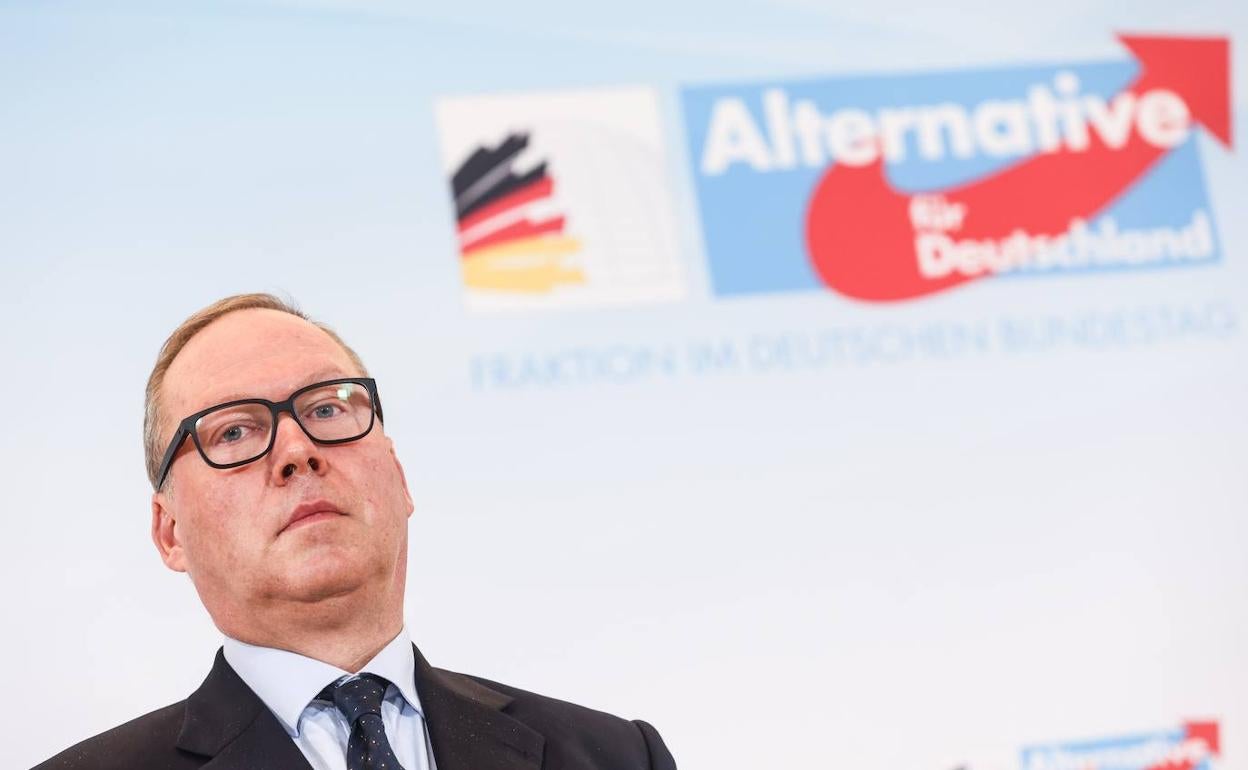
359	700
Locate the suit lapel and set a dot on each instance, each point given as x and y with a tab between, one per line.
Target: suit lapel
467	726
228	722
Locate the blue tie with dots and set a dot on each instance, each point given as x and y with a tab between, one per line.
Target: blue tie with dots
359	700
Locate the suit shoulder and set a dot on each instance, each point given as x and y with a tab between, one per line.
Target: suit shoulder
144	742
577	736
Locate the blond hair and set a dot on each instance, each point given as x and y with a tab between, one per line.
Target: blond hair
152	415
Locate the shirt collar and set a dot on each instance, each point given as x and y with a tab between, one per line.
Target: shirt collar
287	681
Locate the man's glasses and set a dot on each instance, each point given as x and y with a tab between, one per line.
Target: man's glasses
239	432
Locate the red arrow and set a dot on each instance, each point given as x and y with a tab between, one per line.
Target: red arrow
1207	732
859	233
1202	733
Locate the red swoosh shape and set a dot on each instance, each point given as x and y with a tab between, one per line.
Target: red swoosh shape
1206	732
858	230
533	191
515	231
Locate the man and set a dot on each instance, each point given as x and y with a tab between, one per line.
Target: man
279	494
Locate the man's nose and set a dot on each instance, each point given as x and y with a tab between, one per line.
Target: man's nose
294	453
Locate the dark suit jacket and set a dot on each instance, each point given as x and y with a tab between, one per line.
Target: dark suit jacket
474	724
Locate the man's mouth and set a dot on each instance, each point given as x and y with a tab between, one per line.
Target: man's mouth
311	512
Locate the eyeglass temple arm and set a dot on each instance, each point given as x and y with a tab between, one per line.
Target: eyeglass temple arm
178	439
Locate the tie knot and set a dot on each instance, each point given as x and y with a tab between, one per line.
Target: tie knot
357	697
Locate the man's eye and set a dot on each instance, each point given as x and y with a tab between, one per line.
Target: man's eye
326	411
231	434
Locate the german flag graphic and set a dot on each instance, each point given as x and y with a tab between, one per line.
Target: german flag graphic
511	235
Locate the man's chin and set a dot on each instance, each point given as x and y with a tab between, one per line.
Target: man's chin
315	592
323	577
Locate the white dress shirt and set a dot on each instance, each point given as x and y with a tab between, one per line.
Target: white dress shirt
288	683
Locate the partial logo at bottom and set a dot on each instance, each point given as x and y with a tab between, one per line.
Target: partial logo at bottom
1191	746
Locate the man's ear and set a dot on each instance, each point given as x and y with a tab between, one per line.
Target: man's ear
407	494
165	534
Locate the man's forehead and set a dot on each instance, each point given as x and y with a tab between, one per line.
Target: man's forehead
252	353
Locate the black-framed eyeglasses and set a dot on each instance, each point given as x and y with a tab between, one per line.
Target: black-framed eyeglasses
239	432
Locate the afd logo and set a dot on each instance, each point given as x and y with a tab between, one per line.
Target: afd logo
1193	746
502	247
895	187
561	200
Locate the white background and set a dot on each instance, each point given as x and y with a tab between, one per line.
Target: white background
904	565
